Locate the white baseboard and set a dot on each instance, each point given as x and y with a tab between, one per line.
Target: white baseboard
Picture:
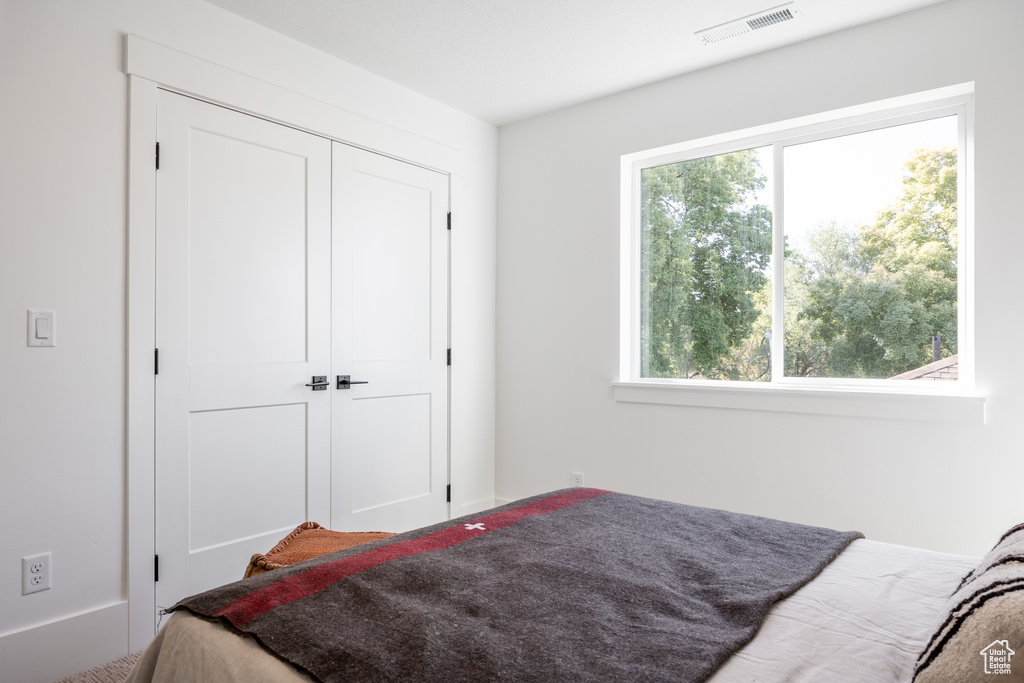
44	653
475	506
502	501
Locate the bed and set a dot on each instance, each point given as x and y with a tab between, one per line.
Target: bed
591	585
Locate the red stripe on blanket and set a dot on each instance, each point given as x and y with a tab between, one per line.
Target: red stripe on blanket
313	580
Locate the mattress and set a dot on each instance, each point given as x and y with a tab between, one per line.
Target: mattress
865	617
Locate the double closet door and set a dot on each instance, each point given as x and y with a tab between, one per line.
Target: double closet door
302	333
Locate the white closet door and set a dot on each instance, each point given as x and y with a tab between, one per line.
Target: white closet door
390	301
243	324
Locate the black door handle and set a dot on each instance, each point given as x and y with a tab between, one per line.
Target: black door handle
345	381
320	383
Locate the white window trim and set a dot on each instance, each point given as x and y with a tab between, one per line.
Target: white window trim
892	399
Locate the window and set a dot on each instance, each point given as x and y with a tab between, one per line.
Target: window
827	252
705	267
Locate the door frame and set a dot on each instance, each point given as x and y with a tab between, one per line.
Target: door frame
151	67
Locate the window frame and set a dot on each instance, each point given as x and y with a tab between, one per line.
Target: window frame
800	394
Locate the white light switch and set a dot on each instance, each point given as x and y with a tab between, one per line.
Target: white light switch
41	328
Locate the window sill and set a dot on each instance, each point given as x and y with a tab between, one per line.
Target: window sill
875	402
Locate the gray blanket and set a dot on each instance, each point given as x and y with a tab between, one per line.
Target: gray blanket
576	585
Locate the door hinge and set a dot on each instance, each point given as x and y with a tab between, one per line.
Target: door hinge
156	568
449	220
448	494
449	356
156	361
158	156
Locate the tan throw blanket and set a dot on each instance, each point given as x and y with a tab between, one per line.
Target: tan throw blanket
308	540
576	585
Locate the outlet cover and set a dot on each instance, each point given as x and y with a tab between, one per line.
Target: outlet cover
35	573
577	479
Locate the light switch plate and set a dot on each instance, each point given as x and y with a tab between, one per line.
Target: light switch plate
42	328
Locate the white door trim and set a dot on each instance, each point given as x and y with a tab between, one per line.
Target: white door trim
141	386
188	75
150	67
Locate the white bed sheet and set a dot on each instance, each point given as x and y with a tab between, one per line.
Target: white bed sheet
865	618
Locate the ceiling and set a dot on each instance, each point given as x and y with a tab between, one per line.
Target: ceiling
506	60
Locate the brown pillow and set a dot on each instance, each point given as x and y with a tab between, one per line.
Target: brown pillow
308	540
982	628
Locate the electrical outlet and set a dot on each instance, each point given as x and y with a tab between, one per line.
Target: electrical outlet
35	573
577	479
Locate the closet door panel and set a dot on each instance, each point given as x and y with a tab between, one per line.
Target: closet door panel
242	325
390	330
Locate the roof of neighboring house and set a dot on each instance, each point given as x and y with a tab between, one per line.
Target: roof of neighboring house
943	370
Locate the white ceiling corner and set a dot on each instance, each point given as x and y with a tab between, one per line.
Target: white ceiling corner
503	61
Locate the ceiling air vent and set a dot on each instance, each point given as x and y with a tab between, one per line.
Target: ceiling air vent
730	29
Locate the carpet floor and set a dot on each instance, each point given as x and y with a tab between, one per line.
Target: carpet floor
114	672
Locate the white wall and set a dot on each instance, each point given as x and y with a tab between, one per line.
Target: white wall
950	488
63	151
